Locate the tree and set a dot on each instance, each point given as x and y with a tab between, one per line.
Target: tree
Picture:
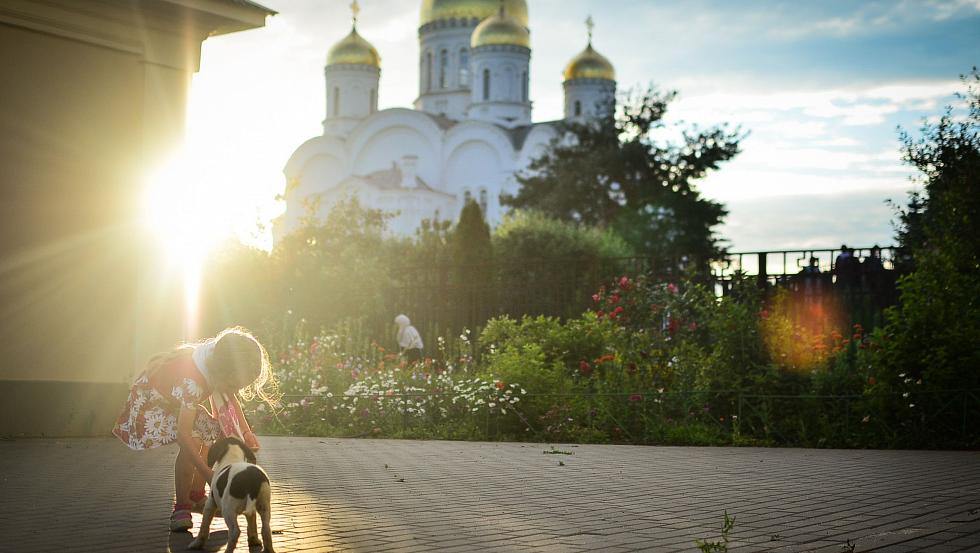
472	268
612	172
931	336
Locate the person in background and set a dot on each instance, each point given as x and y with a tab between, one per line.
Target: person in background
409	340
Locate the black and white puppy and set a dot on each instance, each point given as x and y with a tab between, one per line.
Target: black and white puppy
239	486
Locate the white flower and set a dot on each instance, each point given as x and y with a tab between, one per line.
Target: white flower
177	392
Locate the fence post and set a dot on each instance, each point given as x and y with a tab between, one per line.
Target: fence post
762	277
963	428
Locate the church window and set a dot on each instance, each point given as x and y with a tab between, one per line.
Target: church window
486	84
467	197
428	71
578	108
443	67
524	86
464	67
483	201
336	101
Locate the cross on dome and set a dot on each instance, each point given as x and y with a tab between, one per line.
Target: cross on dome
589	24
354	10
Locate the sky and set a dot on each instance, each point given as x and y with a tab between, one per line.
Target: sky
820	88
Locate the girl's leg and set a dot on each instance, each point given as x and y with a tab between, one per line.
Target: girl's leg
184	475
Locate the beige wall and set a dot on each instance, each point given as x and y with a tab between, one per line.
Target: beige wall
93	96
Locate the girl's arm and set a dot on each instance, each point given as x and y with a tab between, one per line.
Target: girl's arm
185	430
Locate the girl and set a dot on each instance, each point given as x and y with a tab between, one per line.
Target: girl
164	406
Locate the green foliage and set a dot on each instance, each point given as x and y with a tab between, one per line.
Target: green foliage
611	172
720	545
316	265
930	337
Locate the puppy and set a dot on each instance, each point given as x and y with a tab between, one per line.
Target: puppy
239	486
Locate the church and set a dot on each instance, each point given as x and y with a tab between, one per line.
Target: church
468	134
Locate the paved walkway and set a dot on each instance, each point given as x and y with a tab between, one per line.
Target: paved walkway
95	495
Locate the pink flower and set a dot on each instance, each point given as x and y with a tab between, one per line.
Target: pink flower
672	288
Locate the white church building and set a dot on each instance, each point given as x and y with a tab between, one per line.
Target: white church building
468	134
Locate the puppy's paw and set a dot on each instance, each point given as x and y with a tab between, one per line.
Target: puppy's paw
254	540
198	543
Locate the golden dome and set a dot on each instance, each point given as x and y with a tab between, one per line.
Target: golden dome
354	50
590	65
500	28
434	10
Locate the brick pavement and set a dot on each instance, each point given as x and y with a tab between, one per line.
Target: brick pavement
388	495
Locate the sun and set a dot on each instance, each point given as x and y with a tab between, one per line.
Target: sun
185	208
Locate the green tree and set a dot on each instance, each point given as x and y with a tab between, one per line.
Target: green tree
613	172
552	267
472	254
930	339
335	270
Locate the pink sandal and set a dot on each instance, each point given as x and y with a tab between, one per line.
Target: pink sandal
181	519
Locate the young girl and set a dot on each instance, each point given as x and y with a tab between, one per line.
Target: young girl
164	407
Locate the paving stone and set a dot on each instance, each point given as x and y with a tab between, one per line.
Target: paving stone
338	495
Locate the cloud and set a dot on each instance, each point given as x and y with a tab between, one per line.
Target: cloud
859	219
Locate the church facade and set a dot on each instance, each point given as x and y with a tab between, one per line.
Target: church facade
468	134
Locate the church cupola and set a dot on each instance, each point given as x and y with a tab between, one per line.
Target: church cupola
501	58
590	83
352	73
446	73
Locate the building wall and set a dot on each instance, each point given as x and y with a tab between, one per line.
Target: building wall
93	98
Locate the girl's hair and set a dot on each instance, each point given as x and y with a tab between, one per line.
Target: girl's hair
239	361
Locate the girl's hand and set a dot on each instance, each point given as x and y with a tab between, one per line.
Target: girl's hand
251	441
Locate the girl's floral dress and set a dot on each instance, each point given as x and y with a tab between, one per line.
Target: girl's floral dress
149	418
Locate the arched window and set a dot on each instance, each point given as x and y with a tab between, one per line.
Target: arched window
428	71
578	108
483	200
467	197
373	106
486	84
524	86
443	67
336	101
464	67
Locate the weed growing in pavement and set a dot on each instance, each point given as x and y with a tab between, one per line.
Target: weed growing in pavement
556	451
721	545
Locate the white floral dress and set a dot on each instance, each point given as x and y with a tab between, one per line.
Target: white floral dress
149	418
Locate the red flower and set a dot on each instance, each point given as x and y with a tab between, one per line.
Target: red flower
596	298
672	288
500	385
584	367
624	283
636	397
764	314
618	310
600	313
614	298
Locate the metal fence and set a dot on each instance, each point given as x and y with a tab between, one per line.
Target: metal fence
444	298
930	419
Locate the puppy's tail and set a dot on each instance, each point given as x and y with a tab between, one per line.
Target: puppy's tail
262	498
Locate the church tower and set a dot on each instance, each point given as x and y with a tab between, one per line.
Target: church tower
590	83
501	60
446	28
352	73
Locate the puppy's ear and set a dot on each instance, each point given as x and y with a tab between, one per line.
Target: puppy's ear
217	451
249	454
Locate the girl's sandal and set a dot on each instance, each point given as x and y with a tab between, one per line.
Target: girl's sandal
181	520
